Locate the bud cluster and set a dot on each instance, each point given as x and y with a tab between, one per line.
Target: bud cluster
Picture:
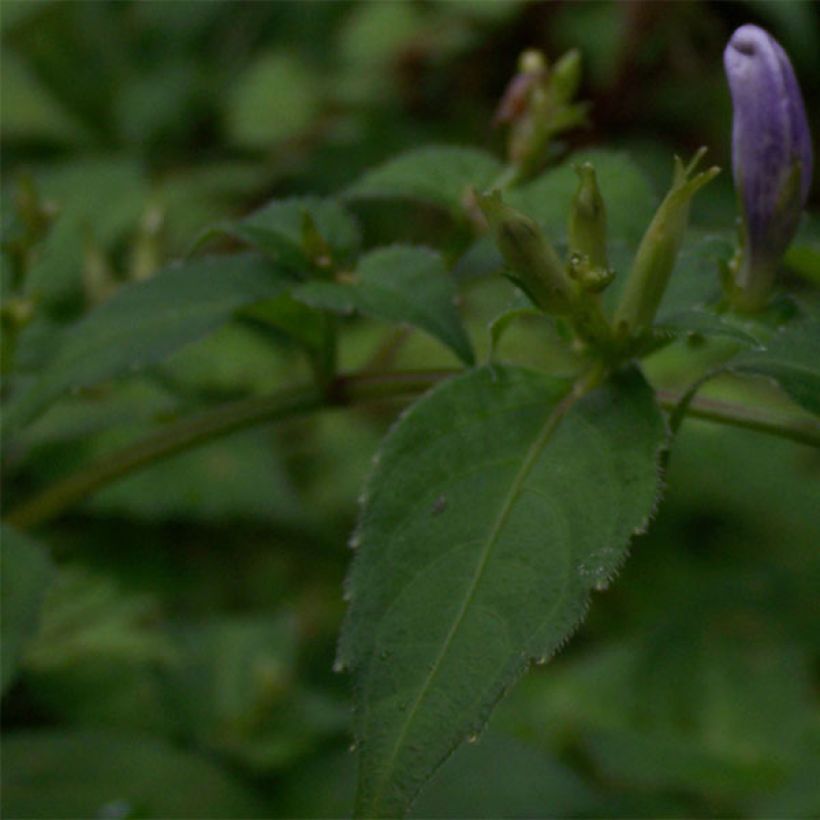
571	288
538	104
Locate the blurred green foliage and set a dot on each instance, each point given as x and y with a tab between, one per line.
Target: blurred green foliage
182	664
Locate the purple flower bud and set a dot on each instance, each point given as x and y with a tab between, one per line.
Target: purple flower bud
771	155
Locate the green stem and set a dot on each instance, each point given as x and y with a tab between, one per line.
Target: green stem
800	428
192	431
346	391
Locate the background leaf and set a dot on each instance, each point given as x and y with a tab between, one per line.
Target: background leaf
486	524
398	284
630	200
438	175
25	576
144	322
791	359
81	774
276	229
274	99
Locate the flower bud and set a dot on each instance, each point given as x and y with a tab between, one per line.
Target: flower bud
533	262
587	218
771	156
659	248
566	76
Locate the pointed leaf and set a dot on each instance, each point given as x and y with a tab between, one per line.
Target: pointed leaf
147	321
276	230
438	175
499	501
398	284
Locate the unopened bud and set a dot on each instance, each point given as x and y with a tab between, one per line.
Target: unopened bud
659	248
771	157
587	220
532	61
566	76
532	260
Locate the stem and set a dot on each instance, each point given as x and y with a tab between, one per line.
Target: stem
800	428
345	391
192	431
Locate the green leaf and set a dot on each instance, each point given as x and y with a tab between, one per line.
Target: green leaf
503	777
293	319
695	280
95	657
54	773
520	308
99	200
25	575
145	322
437	175
276	98
277	228
791	359
235	690
707	323
689	304
30	111
630	201
499	502
400	283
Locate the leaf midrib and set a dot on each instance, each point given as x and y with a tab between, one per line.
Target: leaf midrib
577	392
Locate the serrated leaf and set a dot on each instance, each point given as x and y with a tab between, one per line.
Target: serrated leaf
401	283
438	175
791	359
276	230
25	577
145	322
630	201
499	501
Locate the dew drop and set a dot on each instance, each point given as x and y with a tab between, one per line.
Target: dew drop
601	586
339	666
541	661
473	738
352	747
354	541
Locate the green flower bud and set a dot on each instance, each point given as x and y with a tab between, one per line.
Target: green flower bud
566	76
659	248
587	218
532	61
533	262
